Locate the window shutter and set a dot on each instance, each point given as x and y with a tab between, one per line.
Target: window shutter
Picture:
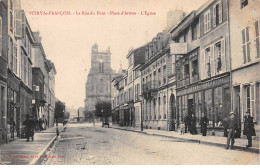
252	100
202	67
205	23
212	62
18	23
209	22
223	56
220	12
214	16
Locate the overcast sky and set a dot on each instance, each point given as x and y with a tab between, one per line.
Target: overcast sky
67	40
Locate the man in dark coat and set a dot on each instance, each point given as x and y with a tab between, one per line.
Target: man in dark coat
193	129
29	127
203	124
187	123
249	129
231	130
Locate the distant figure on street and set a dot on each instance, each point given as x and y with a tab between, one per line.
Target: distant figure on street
231	130
12	127
29	127
182	128
203	124
193	129
93	122
187	123
40	124
249	129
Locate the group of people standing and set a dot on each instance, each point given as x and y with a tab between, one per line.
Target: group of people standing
230	124
190	124
31	125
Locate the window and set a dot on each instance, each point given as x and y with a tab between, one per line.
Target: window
257	30
194	32
207	61
186	70
246	45
10	51
217	14
194	68
207	23
164	74
15	60
11	15
244	3
218	55
101	67
1	38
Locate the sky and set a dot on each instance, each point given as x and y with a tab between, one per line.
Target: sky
67	39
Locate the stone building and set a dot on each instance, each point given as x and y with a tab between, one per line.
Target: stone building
245	57
99	77
154	76
3	69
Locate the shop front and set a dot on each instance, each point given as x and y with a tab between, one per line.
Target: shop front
211	97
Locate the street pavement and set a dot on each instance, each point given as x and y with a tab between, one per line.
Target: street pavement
20	152
240	143
93	145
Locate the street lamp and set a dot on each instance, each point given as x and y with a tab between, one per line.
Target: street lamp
142	126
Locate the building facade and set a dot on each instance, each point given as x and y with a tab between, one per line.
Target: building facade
245	56
99	77
43	83
16	74
3	70
154	82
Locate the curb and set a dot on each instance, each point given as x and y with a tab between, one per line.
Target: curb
252	150
38	160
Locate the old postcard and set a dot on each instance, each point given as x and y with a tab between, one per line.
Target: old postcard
129	82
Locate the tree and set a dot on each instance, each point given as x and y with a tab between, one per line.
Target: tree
103	109
59	111
66	115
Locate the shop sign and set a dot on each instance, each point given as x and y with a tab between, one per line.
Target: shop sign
178	48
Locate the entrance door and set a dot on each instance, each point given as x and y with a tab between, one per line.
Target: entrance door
190	107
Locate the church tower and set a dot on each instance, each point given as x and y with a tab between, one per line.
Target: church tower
99	77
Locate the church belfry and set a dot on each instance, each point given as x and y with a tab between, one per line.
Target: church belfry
99	77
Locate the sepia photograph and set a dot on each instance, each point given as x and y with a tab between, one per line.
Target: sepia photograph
130	82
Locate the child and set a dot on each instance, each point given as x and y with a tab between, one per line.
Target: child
182	127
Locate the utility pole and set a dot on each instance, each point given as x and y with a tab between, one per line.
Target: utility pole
78	115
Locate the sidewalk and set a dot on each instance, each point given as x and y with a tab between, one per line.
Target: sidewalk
208	140
20	152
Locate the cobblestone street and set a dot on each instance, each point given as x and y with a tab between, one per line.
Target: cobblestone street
86	144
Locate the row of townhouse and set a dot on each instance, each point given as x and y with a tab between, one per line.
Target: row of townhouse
208	63
27	77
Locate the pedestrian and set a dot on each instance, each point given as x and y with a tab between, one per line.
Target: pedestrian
231	130
203	124
249	129
182	128
187	123
29	127
12	127
193	129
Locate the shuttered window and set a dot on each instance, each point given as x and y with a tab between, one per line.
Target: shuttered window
246	45
257	30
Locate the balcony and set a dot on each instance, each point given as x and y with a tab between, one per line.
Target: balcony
183	82
195	78
149	86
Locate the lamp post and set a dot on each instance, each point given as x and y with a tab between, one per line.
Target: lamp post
142	126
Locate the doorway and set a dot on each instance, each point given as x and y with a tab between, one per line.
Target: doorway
190	107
